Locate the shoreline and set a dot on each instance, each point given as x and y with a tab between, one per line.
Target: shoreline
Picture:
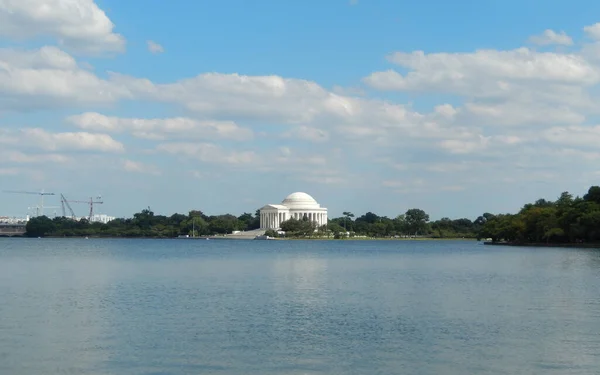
233	237
589	245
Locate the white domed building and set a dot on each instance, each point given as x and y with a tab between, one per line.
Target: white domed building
296	205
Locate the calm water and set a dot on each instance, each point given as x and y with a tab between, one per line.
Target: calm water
291	307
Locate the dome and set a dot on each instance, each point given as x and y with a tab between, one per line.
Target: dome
300	200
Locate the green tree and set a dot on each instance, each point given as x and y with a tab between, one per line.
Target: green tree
416	221
298	228
593	194
348	216
223	224
40	226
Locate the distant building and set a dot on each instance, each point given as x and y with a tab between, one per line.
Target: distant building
296	205
13	220
97	218
102	218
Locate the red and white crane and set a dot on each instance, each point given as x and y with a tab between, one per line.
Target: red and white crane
92	201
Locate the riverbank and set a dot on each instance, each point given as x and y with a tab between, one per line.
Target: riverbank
238	237
378	239
582	245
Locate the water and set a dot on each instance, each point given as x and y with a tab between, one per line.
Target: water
293	307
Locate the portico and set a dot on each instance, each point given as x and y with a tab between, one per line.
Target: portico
296	205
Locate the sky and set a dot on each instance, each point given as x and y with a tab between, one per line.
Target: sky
457	108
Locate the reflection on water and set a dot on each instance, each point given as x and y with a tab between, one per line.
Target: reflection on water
301	279
293	307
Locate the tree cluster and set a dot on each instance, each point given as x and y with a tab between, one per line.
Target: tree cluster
566	220
413	223
144	224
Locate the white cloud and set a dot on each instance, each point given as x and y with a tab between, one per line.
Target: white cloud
9	171
312	165
406	186
280	101
289	159
208	153
349	91
20	157
47	57
445	167
455	146
576	154
308	134
484	72
162	129
578	136
514	113
324	180
550	37
139	167
593	31
393	183
48	77
155	47
79	25
452	188
78	141
518	88
236	96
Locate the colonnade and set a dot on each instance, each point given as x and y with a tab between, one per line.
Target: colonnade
273	220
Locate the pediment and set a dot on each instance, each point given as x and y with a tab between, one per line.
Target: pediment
274	207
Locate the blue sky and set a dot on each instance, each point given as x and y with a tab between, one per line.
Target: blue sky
457	108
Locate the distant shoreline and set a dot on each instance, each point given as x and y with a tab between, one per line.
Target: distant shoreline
233	237
583	245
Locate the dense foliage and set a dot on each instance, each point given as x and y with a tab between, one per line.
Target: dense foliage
567	220
144	224
414	222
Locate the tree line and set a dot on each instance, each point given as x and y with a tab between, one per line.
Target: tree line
144	224
567	220
414	222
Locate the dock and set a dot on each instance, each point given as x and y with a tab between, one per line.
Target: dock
247	235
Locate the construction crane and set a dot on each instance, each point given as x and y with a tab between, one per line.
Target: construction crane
40	193
36	209
91	202
63	203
